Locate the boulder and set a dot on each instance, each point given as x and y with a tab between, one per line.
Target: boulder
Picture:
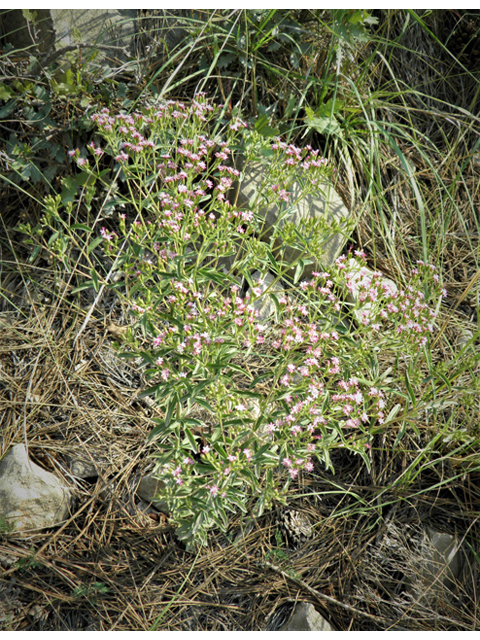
117	31
30	497
323	205
265	304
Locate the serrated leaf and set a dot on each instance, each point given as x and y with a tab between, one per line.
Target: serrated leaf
69	190
7	109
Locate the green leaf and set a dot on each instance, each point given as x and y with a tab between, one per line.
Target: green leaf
82	287
273	262
298	271
411	393
94	244
263	127
323	124
191	440
96	284
81	226
5	92
400	434
393	412
29	15
198	523
34	254
158	431
7	109
69	190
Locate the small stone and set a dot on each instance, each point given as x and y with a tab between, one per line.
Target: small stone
149	488
30	497
442	558
35	612
83	469
306	618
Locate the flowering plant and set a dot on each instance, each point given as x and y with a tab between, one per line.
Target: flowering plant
248	404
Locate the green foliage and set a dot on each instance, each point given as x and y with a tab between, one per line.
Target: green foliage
6	527
24	564
90	592
229	436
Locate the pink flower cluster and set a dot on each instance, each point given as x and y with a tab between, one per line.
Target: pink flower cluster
406	308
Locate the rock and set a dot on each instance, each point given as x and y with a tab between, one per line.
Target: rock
30	497
324	204
441	558
149	488
464	337
360	279
117	31
430	561
83	468
306	618
35	612
265	304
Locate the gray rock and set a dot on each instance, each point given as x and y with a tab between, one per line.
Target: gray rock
306	618
464	337
442	558
265	304
361	278
117	32
324	204
149	488
431	561
30	497
83	468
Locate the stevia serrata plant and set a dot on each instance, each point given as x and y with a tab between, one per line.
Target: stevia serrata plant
248	406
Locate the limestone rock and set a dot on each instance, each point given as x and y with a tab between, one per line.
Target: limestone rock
306	618
116	30
265	304
360	279
442	558
323	204
30	497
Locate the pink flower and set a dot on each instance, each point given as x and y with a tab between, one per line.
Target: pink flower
247	453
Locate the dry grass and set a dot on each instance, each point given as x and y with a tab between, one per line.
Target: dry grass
73	399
